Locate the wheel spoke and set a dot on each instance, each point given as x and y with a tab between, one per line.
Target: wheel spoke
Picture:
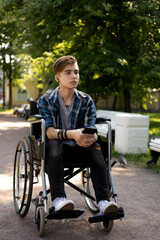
88	188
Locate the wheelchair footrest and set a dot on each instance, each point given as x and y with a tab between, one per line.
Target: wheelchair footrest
64	214
106	217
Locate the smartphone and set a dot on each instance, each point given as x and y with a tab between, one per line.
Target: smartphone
90	130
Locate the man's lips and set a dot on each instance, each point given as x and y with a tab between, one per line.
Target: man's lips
74	82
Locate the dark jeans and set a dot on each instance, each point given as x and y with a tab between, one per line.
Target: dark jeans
58	154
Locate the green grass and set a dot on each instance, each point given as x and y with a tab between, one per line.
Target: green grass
5	110
140	159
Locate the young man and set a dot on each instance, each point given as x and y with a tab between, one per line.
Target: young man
67	112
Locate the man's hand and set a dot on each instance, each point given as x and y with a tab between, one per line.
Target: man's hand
84	140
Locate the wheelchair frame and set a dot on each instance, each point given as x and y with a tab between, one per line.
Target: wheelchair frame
26	167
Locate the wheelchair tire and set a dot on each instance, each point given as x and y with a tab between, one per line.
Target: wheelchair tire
40	220
108	225
23	177
88	188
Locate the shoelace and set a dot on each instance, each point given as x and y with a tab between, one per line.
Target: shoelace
57	200
102	203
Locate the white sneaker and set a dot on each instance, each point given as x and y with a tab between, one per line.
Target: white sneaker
107	207
62	203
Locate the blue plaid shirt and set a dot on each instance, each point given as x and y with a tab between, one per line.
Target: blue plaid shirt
83	112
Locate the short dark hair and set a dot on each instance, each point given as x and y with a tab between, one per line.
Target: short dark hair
61	62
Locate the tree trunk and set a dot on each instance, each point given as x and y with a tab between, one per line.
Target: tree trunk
141	107
127	100
114	103
10	89
10	82
4	82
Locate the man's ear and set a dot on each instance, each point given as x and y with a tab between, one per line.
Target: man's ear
57	78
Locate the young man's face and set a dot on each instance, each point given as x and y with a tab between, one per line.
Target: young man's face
69	77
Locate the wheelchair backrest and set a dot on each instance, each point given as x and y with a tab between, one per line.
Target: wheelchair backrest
33	108
36	127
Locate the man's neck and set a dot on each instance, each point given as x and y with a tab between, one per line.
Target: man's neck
67	95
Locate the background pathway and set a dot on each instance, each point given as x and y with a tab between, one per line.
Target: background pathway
138	193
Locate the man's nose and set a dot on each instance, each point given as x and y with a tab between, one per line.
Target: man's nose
73	75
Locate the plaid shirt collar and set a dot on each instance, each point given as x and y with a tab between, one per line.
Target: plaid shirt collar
54	95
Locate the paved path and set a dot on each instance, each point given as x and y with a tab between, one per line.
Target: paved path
138	193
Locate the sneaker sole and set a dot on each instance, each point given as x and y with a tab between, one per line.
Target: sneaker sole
111	209
68	206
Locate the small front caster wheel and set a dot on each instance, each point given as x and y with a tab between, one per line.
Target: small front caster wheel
108	225
40	221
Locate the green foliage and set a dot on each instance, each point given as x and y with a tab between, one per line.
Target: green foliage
40	71
9	35
154	129
115	42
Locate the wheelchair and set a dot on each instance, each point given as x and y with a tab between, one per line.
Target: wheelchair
29	163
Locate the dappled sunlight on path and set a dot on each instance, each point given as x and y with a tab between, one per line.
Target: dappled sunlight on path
13	125
5	182
118	170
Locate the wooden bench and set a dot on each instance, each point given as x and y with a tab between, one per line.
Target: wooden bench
154	148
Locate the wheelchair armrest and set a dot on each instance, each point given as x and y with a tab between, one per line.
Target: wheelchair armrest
101	120
35	117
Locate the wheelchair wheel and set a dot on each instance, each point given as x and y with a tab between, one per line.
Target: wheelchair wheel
23	177
88	188
40	221
108	225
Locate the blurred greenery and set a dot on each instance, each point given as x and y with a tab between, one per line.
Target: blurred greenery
116	44
5	110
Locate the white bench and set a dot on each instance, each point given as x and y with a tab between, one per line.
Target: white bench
131	131
154	144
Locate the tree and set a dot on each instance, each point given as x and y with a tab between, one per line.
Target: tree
8	48
40	71
116	42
